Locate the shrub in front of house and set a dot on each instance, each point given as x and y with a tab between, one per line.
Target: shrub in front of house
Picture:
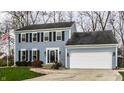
37	64
57	65
23	63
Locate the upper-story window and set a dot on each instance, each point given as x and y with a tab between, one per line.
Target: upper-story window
46	36
23	37
59	35
34	36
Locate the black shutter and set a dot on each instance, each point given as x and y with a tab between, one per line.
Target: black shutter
42	37
50	36
54	36
30	37
38	37
30	55
38	55
19	55
26	55
63	35
19	38
26	37
48	56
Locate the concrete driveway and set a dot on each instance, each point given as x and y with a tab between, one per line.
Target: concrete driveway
76	75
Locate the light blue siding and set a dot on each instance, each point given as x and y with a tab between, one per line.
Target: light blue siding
112	49
42	47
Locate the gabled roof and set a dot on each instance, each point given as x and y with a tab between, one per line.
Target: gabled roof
46	26
97	37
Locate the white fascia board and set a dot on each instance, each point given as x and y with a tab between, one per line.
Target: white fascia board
42	30
92	46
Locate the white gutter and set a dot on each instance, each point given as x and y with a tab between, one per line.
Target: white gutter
40	30
91	46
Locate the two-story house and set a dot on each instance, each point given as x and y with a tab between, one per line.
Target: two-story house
60	42
44	42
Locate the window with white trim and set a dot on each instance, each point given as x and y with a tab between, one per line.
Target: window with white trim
46	36
34	36
59	35
23	55
34	54
23	37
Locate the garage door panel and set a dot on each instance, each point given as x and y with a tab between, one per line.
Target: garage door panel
91	60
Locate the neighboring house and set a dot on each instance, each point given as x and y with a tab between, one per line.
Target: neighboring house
60	42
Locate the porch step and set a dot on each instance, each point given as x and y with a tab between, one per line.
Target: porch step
47	66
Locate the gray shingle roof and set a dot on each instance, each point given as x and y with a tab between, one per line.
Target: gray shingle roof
97	37
46	26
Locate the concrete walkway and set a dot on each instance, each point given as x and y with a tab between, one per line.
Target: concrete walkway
77	75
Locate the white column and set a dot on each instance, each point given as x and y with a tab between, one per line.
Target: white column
116	56
66	57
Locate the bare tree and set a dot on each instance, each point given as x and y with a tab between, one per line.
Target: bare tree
103	18
34	16
23	18
70	15
117	23
45	16
58	16
88	20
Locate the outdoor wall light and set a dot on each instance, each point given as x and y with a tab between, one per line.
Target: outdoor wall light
68	54
45	53
59	52
113	53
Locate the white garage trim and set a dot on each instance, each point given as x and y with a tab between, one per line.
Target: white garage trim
116	56
91	60
66	57
92	46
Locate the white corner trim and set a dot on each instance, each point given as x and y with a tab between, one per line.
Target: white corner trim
66	57
69	33
116	56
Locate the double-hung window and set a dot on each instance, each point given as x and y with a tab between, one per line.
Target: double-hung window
23	57
34	36
23	37
59	35
34	55
46	36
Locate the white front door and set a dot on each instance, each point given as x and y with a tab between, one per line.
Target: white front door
52	55
89	60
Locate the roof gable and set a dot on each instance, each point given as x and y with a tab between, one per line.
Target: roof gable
46	26
97	37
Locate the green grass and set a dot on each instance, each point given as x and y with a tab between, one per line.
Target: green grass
17	73
122	74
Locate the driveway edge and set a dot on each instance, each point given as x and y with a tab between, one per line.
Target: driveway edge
118	75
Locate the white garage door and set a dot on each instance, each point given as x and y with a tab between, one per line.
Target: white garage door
100	60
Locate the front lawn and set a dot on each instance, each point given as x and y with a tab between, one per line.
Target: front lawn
122	74
17	73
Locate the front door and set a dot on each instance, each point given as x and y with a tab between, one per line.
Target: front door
52	55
